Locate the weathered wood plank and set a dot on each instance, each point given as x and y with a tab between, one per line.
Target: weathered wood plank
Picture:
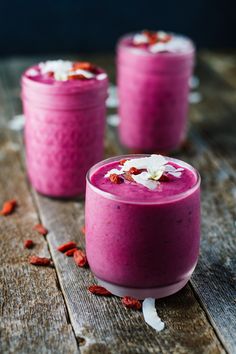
32	310
214	280
222	63
104	321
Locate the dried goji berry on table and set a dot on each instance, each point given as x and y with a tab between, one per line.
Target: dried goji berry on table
80	258
40	261
99	290
41	229
114	178
70	252
131	302
8	207
28	243
66	246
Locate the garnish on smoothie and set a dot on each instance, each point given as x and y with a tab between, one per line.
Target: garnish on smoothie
114	178
64	70
151	37
147	171
159	41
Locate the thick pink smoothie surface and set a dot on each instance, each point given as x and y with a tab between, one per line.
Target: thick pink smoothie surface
141	238
136	192
64	131
153	94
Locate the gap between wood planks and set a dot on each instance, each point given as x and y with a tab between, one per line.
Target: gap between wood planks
163	302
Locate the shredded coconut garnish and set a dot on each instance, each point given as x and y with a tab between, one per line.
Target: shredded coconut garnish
176	44
152	168
140	38
101	76
63	70
161	41
150	315
32	72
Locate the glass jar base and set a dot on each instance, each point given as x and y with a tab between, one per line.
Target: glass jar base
141	294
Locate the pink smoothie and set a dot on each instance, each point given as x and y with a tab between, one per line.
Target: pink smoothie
153	86
142	242
65	121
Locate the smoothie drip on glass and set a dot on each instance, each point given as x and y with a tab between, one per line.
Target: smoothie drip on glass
64	106
143	224
153	72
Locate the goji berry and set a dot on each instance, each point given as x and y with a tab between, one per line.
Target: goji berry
122	162
40	261
99	290
66	246
77	77
131	303
41	229
134	171
28	243
114	178
152	37
164	178
70	252
8	207
51	74
83	65
128	177
80	258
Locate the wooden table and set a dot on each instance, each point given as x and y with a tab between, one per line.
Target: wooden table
49	310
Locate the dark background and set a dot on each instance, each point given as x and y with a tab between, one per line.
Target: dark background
32	27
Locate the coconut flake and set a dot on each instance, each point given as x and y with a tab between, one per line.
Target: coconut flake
114	171
87	74
175	44
63	69
143	178
155	166
150	315
32	72
101	76
55	66
176	172
153	162
140	38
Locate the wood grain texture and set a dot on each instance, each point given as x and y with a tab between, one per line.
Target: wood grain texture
215	277
104	321
33	316
103	325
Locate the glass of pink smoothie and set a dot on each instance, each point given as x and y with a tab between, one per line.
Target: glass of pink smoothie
153	72
64	106
142	224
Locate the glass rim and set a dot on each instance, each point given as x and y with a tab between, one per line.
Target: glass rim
172	198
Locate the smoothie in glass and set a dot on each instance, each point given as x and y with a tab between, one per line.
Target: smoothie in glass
142	224
64	107
153	72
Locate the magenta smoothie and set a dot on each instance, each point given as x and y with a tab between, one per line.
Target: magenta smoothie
153	70
142	224
64	106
